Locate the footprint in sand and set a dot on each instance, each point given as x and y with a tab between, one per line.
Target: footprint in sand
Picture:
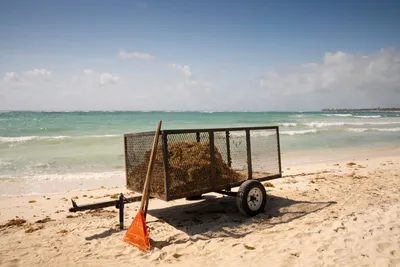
323	248
116	256
395	253
382	247
339	251
13	263
161	256
348	241
346	261
394	263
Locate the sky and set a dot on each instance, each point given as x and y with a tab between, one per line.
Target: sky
255	55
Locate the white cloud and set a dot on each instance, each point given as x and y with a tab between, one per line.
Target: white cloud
11	77
39	73
339	80
195	88
338	72
88	71
185	70
27	78
108	78
100	78
125	55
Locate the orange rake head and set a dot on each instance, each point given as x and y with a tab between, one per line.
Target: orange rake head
137	234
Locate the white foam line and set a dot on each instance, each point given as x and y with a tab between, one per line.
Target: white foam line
320	124
373	129
21	139
338	115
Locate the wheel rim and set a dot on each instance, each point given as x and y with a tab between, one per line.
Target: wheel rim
254	198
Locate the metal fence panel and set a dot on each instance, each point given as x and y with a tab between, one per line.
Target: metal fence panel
137	155
264	153
190	162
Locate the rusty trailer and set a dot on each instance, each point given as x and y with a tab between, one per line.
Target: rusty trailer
251	154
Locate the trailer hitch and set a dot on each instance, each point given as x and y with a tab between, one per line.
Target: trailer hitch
119	204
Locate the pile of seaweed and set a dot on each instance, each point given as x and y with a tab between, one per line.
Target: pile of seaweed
189	169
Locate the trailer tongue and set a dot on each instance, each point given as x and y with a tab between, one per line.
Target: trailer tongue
119	204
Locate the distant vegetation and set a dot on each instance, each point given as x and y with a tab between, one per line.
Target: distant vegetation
361	110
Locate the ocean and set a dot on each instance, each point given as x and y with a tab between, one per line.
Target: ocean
49	152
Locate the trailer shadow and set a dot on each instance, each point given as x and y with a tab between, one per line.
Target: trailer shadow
219	217
104	234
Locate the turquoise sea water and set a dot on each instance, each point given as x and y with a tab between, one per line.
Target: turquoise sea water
44	145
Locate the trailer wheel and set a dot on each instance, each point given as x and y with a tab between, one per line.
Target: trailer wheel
251	198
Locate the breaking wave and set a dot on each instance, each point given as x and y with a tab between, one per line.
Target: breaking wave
319	124
23	139
311	131
373	129
369	117
289	124
338	115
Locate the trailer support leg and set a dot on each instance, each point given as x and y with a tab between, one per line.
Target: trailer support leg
121	211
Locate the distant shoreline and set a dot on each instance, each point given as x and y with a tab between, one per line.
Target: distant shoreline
361	110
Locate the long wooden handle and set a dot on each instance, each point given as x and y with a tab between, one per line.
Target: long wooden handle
153	154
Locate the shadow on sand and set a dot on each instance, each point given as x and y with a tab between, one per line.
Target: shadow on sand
219	217
216	217
104	234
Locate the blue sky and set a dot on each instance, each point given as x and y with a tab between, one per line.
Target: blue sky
230	47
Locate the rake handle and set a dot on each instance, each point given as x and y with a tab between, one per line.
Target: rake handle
153	154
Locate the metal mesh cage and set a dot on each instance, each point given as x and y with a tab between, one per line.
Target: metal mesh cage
264	153
232	147
238	151
137	155
191	162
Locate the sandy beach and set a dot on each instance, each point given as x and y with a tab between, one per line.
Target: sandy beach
334	213
206	95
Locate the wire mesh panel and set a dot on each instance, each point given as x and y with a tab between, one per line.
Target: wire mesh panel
230	169
264	153
137	156
238	148
189	163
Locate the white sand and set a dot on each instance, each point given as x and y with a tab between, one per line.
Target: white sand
340	216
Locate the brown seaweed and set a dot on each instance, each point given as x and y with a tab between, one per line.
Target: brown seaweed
189	169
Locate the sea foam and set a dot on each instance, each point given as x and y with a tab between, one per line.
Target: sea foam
289	124
319	124
369	117
301	132
338	115
373	129
23	139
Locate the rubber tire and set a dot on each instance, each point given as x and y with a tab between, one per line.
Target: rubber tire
241	198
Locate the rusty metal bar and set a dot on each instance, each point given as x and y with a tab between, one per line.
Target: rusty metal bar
140	134
121	211
100	205
212	159
228	149
126	158
248	148
165	161
279	151
218	188
220	129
